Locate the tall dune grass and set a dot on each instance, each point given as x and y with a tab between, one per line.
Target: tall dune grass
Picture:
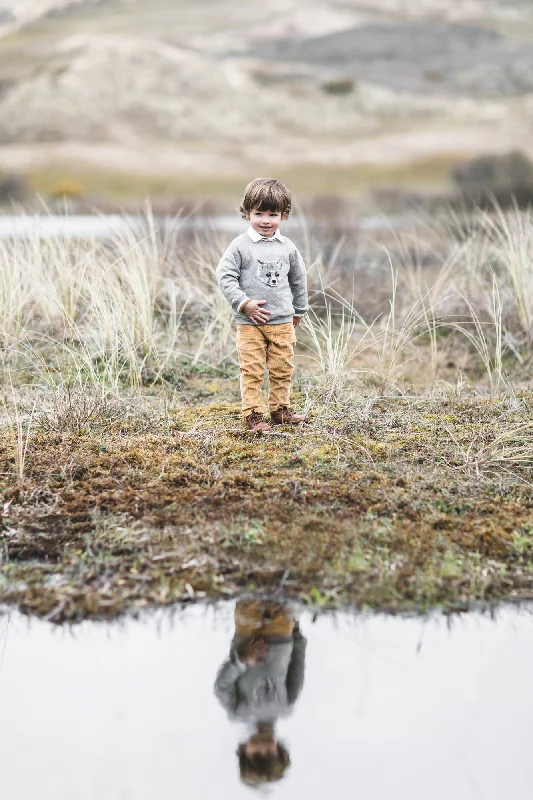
121	312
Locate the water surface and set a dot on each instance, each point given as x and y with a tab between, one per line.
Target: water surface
104	226
412	708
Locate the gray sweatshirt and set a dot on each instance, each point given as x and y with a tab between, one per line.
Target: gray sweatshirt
268	269
264	692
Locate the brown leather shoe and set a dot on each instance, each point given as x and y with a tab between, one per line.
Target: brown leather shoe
286	416
256	422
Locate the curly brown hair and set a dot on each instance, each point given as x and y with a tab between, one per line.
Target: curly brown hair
266	194
257	770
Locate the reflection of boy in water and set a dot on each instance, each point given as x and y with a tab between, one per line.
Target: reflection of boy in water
261	681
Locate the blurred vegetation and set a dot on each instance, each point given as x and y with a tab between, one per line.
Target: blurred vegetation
339	86
67	188
109	190
505	179
13	188
453	179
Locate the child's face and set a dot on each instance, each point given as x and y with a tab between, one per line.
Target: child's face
265	223
261	745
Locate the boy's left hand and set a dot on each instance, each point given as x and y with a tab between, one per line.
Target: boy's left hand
296	321
256	652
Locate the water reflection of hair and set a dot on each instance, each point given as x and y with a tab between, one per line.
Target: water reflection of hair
258	769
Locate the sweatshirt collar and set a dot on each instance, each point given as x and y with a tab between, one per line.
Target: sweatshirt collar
256	237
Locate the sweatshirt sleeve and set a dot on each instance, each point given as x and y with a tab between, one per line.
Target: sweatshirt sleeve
298	283
228	273
226	685
295	674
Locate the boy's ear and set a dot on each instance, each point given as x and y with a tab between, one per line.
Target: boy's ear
285	216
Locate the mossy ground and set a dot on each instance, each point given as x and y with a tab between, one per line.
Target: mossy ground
392	503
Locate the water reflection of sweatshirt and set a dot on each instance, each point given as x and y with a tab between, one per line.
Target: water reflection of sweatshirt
265	691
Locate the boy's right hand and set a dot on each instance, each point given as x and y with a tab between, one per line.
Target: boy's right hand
255	653
254	311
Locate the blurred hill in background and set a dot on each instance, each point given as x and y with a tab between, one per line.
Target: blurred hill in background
118	97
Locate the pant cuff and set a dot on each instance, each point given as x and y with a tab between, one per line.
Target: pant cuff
259	409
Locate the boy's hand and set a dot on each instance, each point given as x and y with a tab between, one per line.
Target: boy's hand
296	321
253	309
256	652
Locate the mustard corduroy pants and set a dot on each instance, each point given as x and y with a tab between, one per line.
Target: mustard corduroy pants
263	618
262	348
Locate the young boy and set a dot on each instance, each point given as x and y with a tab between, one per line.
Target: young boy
261	681
262	275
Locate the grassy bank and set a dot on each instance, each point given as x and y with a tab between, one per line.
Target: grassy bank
126	477
395	503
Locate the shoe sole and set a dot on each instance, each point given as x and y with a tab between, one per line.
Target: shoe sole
302	422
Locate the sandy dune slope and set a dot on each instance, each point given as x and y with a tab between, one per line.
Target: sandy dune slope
300	81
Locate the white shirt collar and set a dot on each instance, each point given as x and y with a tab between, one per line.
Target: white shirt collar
256	237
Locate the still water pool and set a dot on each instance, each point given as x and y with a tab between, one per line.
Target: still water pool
389	707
